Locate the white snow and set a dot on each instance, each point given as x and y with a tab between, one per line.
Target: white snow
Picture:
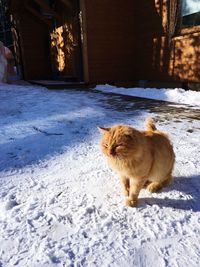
60	204
177	95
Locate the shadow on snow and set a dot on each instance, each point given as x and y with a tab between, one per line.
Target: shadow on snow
45	137
188	189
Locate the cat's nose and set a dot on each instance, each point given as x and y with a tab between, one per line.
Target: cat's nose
112	151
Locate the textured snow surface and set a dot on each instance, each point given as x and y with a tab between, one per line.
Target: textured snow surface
177	95
60	204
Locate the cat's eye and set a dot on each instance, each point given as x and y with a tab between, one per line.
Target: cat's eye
129	137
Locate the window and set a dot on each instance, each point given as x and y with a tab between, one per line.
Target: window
190	13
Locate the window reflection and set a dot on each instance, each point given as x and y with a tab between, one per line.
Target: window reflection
190	13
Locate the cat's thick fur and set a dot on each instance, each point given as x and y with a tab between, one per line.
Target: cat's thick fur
141	158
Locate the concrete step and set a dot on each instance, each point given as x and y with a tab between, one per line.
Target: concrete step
56	84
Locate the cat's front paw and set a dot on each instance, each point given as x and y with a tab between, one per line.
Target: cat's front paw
126	192
131	202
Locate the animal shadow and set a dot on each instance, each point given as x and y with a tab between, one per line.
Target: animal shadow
188	189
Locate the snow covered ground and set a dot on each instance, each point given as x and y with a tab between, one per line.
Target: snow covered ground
60	204
177	95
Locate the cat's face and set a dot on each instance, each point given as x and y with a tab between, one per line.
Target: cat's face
118	141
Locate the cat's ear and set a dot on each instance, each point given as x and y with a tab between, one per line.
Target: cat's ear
103	130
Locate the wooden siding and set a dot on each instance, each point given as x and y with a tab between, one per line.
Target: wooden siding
155	59
185	58
110	40
149	31
123	41
34	47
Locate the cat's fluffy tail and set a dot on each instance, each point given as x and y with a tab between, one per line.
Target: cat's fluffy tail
150	125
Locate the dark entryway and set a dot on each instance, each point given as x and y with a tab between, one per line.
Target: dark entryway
48	38
66	42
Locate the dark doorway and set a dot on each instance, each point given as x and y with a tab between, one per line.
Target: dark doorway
50	39
66	48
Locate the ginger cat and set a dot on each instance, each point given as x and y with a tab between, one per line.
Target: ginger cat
141	158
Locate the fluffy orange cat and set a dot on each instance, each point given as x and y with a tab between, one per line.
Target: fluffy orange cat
141	158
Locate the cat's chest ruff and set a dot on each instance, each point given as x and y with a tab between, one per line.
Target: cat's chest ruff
125	167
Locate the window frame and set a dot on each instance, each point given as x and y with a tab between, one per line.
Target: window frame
186	29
